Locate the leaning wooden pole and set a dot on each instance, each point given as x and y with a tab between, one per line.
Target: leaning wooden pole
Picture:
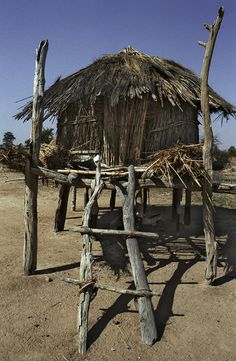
211	245
31	180
146	312
86	264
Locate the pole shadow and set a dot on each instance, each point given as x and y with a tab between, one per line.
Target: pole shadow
164	308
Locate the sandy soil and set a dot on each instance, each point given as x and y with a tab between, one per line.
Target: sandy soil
38	313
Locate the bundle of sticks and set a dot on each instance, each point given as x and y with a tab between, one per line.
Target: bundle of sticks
179	162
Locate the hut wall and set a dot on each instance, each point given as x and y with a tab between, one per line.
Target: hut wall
129	131
167	125
123	128
80	131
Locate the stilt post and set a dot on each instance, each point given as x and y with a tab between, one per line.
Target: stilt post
31	180
146	312
86	264
211	246
73	200
60	217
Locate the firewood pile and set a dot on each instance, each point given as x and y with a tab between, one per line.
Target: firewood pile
180	162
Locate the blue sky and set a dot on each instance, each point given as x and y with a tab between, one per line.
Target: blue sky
79	31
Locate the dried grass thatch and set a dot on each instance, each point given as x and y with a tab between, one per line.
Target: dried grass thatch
128	74
52	157
181	163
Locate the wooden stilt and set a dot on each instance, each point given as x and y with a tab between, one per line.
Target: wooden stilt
31	180
86	196
174	203
177	197
86	267
146	313
187	208
211	249
60	217
73	199
208	221
113	199
145	198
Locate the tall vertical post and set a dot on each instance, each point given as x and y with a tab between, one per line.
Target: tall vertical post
146	312
31	180
211	246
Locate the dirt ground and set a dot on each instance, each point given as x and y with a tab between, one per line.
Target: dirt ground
38	313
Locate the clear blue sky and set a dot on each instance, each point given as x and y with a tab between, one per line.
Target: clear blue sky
81	30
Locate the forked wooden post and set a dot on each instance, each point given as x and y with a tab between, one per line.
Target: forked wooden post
146	312
31	180
86	264
211	245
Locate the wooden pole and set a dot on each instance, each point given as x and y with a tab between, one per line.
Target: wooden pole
211	245
60	217
176	203
134	293
73	200
86	196
113	199
187	208
31	181
86	266
102	231
146	312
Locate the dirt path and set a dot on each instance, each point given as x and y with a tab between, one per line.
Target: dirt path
38	317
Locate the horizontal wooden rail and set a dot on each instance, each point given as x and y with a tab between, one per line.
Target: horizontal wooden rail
128	234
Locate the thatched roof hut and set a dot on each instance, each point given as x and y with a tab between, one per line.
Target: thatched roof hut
127	105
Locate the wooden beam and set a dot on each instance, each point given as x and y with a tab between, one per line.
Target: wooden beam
134	293
211	245
146	312
31	181
138	234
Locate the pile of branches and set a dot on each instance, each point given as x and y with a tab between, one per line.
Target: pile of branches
181	162
13	157
50	157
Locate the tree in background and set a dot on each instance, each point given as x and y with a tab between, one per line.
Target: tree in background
8	139
46	137
232	151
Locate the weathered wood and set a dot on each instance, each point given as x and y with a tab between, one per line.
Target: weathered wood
146	313
48	173
145	198
187	208
208	220
86	266
60	216
134	293
31	181
176	200
86	195
73	199
102	231
113	199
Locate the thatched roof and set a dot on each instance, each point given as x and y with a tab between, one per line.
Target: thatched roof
129	73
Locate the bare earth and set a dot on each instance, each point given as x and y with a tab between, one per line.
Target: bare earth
38	313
